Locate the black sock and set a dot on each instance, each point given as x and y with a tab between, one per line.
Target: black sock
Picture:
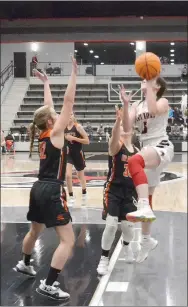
105	253
52	276
71	194
84	191
26	259
125	243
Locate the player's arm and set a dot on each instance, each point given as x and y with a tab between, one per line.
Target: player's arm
128	117
84	139
48	101
57	134
114	142
155	107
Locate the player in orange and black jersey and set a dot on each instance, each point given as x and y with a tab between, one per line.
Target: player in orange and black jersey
75	136
47	205
119	194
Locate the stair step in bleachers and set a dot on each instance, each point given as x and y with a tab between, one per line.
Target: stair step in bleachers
91	102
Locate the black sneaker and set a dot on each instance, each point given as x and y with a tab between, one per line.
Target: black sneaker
53	292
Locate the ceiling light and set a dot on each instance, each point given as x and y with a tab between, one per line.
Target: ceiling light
134	50
91	51
34	47
102	63
75	50
172	44
172	63
85	44
172	50
96	56
172	54
132	44
172	60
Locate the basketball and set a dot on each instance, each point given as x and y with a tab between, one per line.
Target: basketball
148	65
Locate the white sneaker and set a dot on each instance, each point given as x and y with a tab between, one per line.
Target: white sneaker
103	266
144	213
129	256
54	292
147	246
71	201
84	200
25	269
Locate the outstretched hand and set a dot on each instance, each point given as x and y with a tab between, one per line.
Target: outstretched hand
42	76
74	65
118	113
124	97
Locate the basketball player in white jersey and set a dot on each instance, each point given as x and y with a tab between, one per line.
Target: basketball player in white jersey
151	117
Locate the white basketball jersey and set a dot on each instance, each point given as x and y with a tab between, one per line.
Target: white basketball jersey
152	127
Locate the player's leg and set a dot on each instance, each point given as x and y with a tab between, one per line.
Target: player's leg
28	244
79	164
69	182
57	215
37	226
110	214
129	205
149	158
147	242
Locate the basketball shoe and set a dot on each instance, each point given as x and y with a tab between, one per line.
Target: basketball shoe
147	246
25	269
71	201
144	213
103	266
54	292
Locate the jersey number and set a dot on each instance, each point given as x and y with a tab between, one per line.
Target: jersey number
42	148
145	128
126	171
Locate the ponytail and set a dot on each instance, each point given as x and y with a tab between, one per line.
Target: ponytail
32	137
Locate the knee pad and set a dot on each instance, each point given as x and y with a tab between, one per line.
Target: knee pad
109	232
127	231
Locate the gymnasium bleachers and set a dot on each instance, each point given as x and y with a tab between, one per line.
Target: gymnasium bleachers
91	105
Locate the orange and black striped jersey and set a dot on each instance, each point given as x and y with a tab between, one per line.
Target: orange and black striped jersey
118	167
74	146
52	160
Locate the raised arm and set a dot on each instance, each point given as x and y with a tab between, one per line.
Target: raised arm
57	134
114	142
128	117
48	101
155	106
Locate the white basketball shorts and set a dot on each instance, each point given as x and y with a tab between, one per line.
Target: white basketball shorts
165	150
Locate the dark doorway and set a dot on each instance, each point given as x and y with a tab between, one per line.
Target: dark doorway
20	64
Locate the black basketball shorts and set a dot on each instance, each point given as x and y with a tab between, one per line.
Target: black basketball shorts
48	204
77	159
118	200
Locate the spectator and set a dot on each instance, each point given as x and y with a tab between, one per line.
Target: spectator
9	139
184	106
176	130
168	129
23	132
89	130
100	132
185	132
107	131
3	143
171	115
184	74
177	116
34	61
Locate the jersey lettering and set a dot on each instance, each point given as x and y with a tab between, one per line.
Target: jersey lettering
42	149
145	128
126	172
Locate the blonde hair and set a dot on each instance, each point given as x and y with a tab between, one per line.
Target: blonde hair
40	122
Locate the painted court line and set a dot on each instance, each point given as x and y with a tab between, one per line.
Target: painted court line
95	301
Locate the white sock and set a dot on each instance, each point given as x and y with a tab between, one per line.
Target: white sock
144	200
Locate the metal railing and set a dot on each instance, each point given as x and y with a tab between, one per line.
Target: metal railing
6	73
